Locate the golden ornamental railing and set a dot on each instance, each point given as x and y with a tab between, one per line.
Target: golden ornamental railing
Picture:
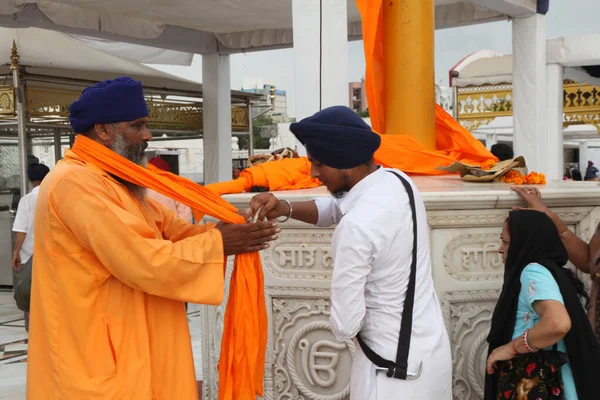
51	105
7	101
480	105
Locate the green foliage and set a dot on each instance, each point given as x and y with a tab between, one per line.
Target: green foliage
259	142
364	114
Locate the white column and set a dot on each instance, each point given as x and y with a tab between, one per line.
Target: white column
57	146
552	148
321	55
584	157
529	89
216	114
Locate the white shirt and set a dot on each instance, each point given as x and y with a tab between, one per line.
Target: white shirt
372	252
24	223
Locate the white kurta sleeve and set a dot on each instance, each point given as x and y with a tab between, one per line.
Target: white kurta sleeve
352	252
329	212
21	223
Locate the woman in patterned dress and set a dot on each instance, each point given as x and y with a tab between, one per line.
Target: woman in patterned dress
582	255
540	308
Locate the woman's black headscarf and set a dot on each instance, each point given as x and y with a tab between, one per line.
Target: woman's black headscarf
534	239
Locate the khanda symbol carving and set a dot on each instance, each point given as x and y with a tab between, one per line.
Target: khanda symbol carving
322	373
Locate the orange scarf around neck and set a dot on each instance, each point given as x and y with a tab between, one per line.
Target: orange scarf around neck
244	342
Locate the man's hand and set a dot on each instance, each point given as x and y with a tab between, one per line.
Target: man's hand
16	261
272	207
532	197
247	238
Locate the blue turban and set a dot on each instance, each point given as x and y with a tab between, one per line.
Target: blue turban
37	172
108	102
337	137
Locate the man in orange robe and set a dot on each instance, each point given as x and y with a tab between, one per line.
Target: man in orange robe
113	269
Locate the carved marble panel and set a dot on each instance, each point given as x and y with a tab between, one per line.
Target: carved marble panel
308	362
474	257
481	218
300	255
467	317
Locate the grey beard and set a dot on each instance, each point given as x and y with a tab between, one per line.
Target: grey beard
136	155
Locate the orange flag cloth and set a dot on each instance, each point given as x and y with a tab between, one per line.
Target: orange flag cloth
284	174
244	342
453	142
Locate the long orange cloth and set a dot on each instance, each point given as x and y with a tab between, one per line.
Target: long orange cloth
285	174
453	142
244	341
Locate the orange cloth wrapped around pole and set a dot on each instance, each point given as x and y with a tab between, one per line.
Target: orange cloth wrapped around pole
453	142
243	346
285	174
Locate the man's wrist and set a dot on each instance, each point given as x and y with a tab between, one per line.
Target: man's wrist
285	210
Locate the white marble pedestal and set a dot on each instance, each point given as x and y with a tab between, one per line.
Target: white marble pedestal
304	361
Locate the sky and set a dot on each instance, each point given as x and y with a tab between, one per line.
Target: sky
565	18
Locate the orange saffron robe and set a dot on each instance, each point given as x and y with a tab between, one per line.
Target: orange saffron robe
110	277
285	174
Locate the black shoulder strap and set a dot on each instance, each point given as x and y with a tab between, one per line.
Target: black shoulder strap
399	369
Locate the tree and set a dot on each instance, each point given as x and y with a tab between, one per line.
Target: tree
364	114
259	141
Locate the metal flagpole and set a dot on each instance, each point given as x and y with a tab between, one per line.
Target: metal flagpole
21	117
250	131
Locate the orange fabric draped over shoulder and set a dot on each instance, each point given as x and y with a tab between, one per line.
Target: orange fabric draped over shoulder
285	174
453	142
243	346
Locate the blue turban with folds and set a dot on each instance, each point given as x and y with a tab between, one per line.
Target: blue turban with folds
108	102
337	137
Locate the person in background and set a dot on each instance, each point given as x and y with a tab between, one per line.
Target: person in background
23	225
502	151
576	175
591	173
235	173
539	323
181	210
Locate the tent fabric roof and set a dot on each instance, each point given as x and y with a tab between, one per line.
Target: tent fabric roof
488	70
574	53
202	26
54	54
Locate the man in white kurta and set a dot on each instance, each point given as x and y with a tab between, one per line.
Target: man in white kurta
372	251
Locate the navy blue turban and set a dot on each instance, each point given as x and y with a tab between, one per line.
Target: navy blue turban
337	137
37	172
108	102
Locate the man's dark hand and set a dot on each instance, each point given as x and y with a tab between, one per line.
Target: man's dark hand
268	206
247	238
16	261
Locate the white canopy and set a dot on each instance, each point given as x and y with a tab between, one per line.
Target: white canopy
208	26
494	68
54	54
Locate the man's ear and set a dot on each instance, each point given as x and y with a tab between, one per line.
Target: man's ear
103	134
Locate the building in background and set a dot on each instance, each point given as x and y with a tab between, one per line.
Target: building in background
274	97
357	96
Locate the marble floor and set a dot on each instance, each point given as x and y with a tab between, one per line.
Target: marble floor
13	347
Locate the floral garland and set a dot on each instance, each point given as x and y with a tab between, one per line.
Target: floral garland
532	178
